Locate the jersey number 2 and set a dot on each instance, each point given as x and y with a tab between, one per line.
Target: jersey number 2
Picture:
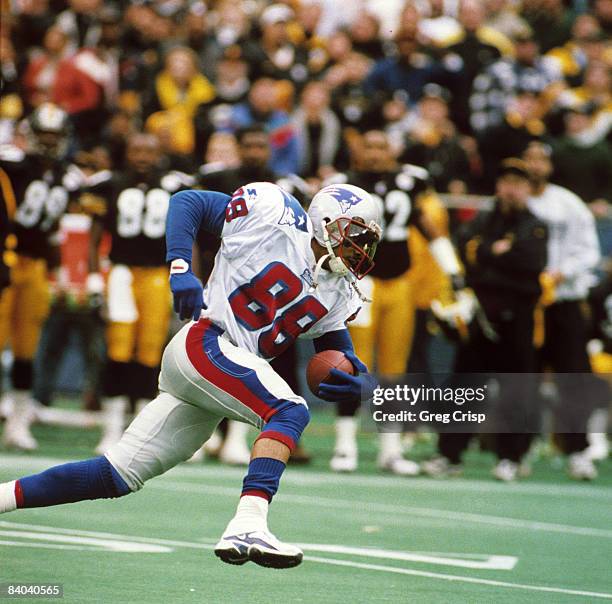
256	305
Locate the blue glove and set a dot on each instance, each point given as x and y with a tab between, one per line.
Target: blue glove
187	291
347	387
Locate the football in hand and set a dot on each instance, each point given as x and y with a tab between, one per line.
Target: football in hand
322	363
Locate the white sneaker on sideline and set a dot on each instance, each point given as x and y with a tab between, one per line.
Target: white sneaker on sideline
441	467
344	461
506	470
581	467
399	466
16	433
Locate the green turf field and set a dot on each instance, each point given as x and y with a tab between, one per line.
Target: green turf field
366	537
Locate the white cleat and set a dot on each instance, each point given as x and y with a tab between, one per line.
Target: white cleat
506	470
16	434
18	437
344	461
581	467
441	467
261	547
399	466
599	447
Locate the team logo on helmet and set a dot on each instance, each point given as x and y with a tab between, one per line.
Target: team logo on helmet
345	197
293	214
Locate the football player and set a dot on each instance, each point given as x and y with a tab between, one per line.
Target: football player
383	330
279	274
255	151
37	179
138	304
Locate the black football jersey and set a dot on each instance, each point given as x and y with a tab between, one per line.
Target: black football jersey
396	192
41	196
136	216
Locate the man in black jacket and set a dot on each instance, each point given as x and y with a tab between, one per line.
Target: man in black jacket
504	252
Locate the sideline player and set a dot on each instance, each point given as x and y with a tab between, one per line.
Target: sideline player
383	331
37	178
279	274
137	289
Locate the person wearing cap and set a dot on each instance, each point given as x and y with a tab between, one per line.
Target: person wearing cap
504	252
573	255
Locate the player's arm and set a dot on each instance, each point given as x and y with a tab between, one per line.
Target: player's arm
346	387
188	212
440	245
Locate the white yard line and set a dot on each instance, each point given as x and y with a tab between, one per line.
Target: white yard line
51	533
459	578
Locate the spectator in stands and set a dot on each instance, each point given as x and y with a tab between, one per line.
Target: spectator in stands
432	142
317	128
500	81
521	125
477	47
276	56
587	43
602	10
581	161
365	35
177	93
551	21
503	17
261	106
80	23
409	71
31	24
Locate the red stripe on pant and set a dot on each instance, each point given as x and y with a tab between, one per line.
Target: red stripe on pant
227	383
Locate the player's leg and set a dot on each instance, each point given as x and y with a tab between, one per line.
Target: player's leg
394	340
167	432
120	344
30	307
363	334
153	302
202	366
6	306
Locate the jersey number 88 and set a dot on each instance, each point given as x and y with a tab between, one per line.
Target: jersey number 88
140	212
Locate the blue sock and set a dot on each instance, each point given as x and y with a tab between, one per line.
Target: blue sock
263	477
90	479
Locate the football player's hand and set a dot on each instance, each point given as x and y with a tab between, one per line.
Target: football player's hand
347	387
187	291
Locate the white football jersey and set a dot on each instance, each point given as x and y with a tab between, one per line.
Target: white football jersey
261	288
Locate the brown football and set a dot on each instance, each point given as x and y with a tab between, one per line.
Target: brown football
320	365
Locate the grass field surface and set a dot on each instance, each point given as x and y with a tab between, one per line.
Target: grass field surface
367	537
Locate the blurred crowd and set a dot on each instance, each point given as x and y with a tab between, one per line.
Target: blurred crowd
292	87
457	85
